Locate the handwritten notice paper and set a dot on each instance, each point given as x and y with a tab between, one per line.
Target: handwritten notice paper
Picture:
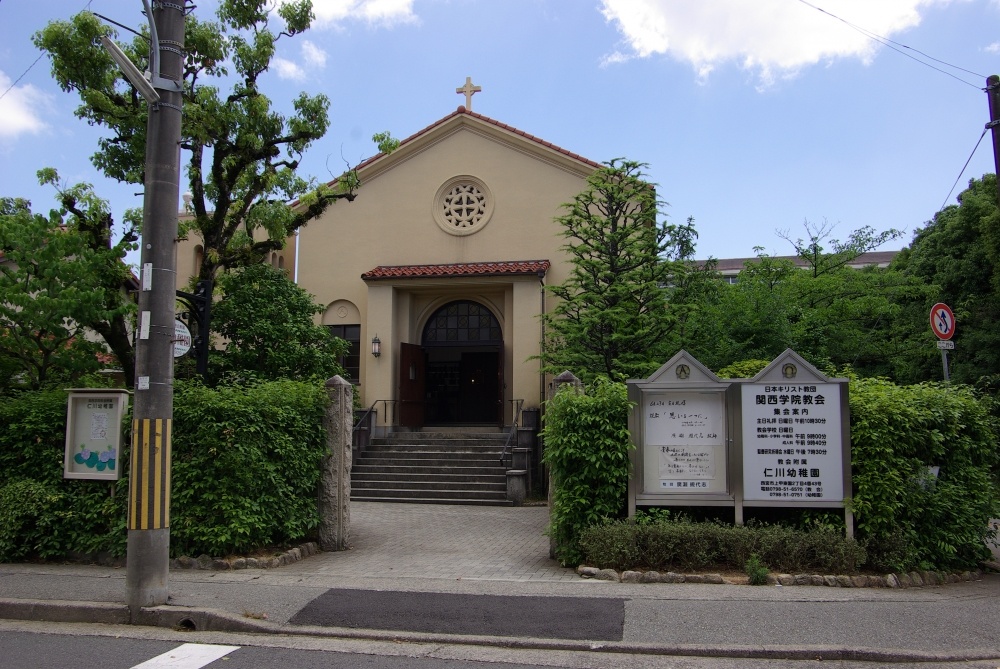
685	441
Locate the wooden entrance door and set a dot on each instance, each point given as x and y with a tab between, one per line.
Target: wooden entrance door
412	385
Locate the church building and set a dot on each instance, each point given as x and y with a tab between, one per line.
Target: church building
436	271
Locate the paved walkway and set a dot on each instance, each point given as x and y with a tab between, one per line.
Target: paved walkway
446	542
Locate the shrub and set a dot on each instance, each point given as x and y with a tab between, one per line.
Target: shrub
586	446
244	474
756	570
689	546
922	520
246	465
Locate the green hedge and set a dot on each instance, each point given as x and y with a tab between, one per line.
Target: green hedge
906	517
246	466
909	517
41	514
586	447
682	545
244	474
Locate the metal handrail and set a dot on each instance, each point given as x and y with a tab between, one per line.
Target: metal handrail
366	416
519	404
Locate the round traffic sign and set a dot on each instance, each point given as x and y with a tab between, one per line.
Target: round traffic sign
182	339
942	321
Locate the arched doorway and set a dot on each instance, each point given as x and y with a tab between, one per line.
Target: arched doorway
463	348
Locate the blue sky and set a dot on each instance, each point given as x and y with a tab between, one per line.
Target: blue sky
753	115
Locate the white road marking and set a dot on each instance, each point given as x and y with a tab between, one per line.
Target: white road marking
188	656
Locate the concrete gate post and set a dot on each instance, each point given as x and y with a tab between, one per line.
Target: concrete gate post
335	475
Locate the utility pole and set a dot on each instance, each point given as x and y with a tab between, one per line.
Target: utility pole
148	556
993	93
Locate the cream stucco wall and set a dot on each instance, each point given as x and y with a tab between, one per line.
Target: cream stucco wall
391	223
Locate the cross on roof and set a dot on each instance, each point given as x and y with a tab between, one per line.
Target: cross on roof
469	91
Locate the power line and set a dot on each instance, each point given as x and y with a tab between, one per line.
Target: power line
948	196
885	41
11	87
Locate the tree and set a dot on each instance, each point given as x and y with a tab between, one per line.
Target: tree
54	287
957	253
267	324
611	316
828	311
241	154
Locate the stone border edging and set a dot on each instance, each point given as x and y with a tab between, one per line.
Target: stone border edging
290	556
913	579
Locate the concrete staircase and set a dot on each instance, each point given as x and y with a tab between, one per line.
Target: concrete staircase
432	468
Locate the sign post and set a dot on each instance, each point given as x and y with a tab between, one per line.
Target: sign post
943	326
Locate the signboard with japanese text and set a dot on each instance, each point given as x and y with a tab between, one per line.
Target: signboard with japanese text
680	425
94	434
684	449
792	440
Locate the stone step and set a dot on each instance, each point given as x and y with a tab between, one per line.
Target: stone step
432	467
411	492
424	463
435	500
463	487
471	476
439	441
456	449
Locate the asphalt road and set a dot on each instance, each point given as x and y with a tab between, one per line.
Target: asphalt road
80	646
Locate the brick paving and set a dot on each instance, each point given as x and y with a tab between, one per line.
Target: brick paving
444	541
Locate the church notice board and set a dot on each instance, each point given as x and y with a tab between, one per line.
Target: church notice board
679	425
795	436
685	448
781	438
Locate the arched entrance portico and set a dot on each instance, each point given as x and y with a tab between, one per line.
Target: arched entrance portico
461	350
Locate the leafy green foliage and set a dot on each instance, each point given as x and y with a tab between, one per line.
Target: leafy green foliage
42	514
679	544
241	153
63	275
246	465
744	369
897	434
958	255
828	312
586	447
609	318
267	323
756	570
60	275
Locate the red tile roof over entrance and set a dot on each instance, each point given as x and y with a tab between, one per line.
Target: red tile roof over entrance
499	268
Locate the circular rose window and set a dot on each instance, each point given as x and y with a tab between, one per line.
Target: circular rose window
463	205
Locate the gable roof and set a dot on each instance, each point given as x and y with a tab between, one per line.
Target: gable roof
501	268
463	116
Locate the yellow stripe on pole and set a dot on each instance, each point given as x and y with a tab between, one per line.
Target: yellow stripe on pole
167	452
133	479
144	465
157	473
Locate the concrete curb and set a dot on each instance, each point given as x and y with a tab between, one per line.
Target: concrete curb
212	620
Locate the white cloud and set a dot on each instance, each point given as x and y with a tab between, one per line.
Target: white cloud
376	12
286	69
20	108
313	55
773	38
993	48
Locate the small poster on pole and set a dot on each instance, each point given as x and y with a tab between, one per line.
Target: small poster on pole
93	433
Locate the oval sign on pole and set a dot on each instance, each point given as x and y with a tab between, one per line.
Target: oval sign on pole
942	321
182	339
